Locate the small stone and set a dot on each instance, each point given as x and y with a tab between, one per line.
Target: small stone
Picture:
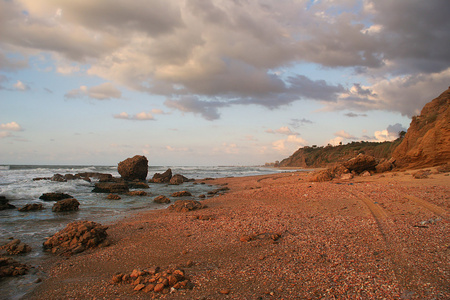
159	287
224	291
149	288
139	287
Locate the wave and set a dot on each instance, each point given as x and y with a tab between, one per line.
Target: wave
4	167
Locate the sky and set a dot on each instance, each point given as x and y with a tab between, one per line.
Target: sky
220	82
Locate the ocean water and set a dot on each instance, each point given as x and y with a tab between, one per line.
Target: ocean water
32	228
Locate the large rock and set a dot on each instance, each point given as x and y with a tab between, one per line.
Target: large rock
134	168
361	163
4	203
66	205
427	140
111	187
162	178
54	196
76	238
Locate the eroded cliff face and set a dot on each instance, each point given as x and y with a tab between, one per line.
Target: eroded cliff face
427	142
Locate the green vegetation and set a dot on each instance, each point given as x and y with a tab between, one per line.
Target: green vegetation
329	155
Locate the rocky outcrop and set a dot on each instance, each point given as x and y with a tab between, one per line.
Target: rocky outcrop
182	194
161	199
4	203
54	196
178	179
16	247
162	178
385	166
154	280
427	140
137	185
361	163
186	205
76	238
133	168
111	187
70	204
31	207
9	267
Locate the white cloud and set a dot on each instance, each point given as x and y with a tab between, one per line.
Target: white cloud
12	126
336	141
142	116
289	144
5	134
19	85
343	134
104	91
283	130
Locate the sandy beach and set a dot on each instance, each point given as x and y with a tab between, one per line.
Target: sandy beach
280	237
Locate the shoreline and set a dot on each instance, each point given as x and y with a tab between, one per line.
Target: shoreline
336	239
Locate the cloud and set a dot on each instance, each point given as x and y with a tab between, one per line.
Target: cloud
231	52
296	123
19	85
104	91
5	134
354	115
283	130
389	134
289	144
12	126
207	109
344	134
142	116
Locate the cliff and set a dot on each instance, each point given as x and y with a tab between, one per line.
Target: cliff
427	142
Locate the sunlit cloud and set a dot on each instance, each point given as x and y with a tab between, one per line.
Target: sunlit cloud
12	126
19	85
142	116
104	91
282	130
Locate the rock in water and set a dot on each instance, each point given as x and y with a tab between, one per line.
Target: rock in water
54	196
4	203
427	140
134	168
162	178
111	187
66	205
31	207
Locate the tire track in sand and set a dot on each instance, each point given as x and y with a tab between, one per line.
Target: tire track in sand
441	212
403	269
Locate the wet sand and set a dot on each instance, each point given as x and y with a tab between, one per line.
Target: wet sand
280	237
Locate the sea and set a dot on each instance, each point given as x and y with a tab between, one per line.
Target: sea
32	228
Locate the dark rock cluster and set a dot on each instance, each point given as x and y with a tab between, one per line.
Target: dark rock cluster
154	280
15	247
9	267
76	238
363	165
4	203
